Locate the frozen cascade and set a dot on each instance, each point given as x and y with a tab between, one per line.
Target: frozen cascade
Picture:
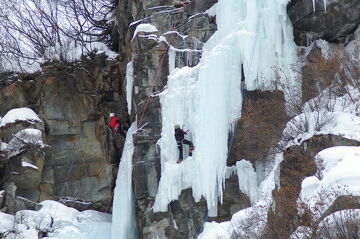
206	99
129	84
123	217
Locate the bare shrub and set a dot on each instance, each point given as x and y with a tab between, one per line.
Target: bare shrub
329	84
251	224
340	225
29	28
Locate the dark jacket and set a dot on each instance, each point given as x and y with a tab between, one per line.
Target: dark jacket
179	134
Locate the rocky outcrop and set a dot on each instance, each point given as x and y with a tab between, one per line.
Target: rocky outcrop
299	163
73	100
264	115
333	22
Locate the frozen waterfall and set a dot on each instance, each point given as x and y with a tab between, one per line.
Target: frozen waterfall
123	217
207	98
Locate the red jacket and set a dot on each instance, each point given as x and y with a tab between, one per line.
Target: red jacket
114	121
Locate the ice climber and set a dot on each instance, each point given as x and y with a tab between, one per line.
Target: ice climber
179	136
116	126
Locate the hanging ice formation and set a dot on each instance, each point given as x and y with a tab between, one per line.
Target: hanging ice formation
206	99
129	85
324	2
123	217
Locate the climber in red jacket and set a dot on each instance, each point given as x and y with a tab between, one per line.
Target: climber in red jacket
116	126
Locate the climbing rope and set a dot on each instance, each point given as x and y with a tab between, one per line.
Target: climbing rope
157	72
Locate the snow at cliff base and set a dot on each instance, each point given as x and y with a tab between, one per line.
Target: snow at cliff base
338	174
56	221
207	98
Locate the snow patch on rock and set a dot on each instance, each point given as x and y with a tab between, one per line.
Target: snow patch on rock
19	114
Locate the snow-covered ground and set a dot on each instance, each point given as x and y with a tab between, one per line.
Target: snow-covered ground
55	221
338	174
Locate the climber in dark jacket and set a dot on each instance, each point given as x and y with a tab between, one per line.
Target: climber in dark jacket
116	126
179	136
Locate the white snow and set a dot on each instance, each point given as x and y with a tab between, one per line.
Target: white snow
207	98
144	27
338	174
124	222
3	146
305	125
60	221
19	114
29	165
22	138
6	222
339	165
214	230
129	85
74	52
247	223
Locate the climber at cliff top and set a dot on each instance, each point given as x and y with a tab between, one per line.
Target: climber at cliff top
179	136
116	125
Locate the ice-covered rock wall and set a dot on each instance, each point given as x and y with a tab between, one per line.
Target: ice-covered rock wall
207	98
123	207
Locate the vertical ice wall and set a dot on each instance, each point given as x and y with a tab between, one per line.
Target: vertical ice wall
129	85
123	218
206	99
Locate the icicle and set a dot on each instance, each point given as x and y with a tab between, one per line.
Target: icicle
313	1
129	84
172	54
324	2
124	222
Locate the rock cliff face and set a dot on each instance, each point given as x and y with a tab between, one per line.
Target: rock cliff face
73	101
334	22
149	54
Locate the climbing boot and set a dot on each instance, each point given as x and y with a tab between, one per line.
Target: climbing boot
190	150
